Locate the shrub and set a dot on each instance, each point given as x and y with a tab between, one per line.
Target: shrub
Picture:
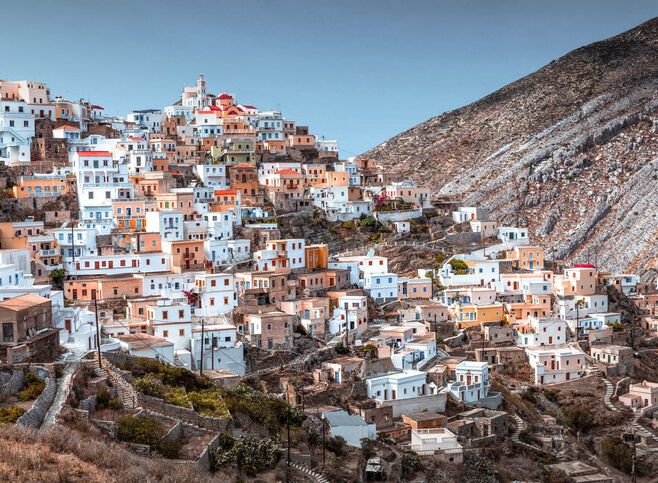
115	404
618	453
209	402
459	266
10	415
341	349
247	453
337	445
33	389
146	430
578	418
149	431
103	397
150	385
177	396
409	464
367	448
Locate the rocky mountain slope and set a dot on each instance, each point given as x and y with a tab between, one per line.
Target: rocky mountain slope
570	150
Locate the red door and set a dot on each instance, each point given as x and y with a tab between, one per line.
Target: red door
110	264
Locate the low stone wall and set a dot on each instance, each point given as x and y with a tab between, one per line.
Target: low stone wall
34	416
433	402
184	414
175	433
109	427
14	384
464	238
204	460
391	216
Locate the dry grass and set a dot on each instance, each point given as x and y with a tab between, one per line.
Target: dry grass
63	454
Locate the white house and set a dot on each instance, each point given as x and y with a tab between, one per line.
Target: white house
472	381
557	363
437	441
398	385
16	132
514	235
382	286
221	348
351	427
539	332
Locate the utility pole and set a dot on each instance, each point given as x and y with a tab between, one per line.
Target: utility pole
73	242
202	343
288	427
323	442
98	331
633	475
212	353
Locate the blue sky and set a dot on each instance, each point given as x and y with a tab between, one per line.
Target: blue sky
357	71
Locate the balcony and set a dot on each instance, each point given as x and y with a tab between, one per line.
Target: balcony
124	184
49	253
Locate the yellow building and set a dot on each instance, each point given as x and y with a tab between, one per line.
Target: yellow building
469	315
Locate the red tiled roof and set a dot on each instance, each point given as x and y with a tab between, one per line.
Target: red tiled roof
135	139
68	128
583	265
243	165
85	154
226	192
97	107
287	171
249	107
224	95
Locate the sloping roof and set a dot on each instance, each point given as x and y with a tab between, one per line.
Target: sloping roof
342	418
84	154
23	302
68	128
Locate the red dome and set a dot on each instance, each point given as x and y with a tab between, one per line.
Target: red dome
224	95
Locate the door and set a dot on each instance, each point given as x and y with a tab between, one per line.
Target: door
75	294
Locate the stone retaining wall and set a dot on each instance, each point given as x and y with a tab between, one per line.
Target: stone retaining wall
14	384
34	416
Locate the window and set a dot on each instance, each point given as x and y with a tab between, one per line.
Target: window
165	315
181	332
165	333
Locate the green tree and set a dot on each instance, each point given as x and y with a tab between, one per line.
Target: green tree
57	277
459	266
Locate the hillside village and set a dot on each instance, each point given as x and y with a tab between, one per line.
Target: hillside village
219	278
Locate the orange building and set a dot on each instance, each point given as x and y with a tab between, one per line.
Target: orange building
179	201
527	257
106	288
187	255
317	256
337	178
244	178
152	184
40	186
226	200
131	213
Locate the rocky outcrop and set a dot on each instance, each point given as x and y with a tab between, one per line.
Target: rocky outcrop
571	151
